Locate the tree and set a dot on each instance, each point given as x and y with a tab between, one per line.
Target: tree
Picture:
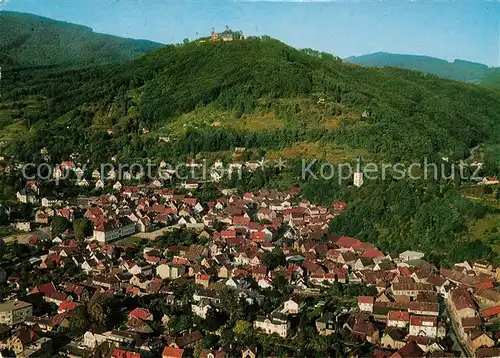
180	323
210	341
99	310
59	225
78	321
242	328
4	217
244	332
274	259
81	228
231	303
3	249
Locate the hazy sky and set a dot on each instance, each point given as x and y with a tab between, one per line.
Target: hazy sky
444	29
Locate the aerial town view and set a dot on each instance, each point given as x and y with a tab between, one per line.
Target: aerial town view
249	179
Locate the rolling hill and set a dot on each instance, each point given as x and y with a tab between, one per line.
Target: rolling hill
259	93
459	70
29	40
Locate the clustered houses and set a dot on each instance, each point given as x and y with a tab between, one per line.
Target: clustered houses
405	317
415	298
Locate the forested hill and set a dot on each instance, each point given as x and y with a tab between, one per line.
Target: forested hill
459	70
29	40
206	98
257	93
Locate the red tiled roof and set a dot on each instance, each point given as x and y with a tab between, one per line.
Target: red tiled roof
240	272
228	233
348	242
372	253
419	320
405	271
67	306
140	313
153	259
190	201
398	316
170	352
120	353
240	220
339	204
58	296
365	299
67	164
258	236
462	299
492	311
46	288
411	349
484	284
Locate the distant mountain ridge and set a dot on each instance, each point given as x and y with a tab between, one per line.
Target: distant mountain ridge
30	40
459	70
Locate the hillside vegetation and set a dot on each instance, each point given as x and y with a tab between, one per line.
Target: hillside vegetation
459	70
259	93
256	93
29	40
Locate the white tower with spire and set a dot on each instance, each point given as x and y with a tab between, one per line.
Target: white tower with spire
358	179
358	174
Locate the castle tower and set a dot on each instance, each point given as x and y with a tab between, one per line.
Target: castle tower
213	35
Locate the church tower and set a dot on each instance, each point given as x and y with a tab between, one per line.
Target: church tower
358	174
358	179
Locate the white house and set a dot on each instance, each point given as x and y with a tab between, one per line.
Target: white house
490	181
264	283
365	303
112	231
23	226
48	202
79	173
94	338
292	306
127	176
398	319
99	184
410	255
83	182
111	174
141	268
170	271
201	308
25	196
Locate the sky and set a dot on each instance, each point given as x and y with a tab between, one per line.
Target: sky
466	30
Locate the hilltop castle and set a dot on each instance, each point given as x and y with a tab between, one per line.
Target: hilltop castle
226	35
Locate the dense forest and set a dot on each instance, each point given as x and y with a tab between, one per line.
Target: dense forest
256	92
30	40
459	70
